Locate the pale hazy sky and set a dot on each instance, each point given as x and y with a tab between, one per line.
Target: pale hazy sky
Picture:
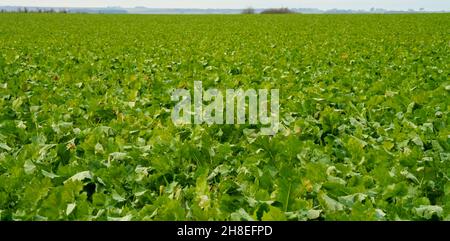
323	4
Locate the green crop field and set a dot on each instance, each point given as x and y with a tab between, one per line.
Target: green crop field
86	130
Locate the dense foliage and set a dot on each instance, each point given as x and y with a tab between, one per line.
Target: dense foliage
86	133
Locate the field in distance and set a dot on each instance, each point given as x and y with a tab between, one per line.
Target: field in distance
86	130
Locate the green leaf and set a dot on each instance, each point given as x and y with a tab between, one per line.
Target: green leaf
241	215
29	167
427	211
313	214
49	174
124	218
330	204
5	146
70	208
274	214
80	176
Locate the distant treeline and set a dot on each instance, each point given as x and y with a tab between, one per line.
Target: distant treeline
277	11
36	10
62	10
268	11
249	10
